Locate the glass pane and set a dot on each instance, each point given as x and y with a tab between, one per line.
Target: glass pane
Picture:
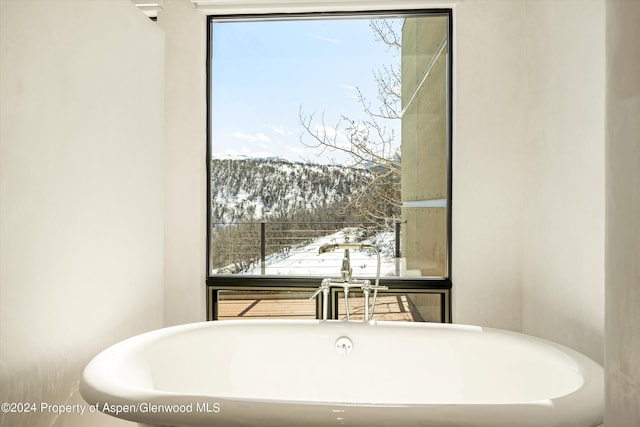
425	144
329	130
265	305
410	307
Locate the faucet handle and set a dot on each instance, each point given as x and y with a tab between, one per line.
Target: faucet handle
316	293
324	285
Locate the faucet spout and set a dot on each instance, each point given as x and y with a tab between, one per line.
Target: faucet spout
329	247
346	267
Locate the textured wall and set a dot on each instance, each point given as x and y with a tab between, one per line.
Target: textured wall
185	203
528	173
563	187
80	194
424	143
622	342
488	134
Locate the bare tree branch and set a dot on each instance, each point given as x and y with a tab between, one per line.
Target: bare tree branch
370	143
384	32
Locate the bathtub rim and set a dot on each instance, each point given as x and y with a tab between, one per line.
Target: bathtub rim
101	387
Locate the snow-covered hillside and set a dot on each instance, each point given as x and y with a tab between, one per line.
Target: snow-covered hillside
302	206
276	190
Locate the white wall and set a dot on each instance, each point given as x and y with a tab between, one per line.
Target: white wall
528	171
185	177
81	193
85	245
622	350
563	219
487	163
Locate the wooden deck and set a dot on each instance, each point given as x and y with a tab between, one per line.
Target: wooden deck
299	306
266	308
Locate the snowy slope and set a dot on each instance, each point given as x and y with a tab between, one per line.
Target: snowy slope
274	189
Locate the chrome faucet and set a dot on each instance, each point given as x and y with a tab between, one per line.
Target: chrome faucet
346	269
346	280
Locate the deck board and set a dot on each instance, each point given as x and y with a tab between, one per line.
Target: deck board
257	306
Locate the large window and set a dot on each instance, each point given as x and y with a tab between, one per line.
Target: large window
328	129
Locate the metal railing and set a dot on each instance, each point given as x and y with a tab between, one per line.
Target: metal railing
257	247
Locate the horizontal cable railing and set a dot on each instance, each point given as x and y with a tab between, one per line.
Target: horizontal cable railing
291	248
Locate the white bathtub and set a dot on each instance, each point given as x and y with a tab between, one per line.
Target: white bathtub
292	373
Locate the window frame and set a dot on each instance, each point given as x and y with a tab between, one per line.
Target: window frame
218	282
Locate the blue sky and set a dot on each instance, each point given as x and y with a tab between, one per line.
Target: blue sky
263	72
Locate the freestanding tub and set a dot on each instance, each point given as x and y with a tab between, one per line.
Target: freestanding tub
333	373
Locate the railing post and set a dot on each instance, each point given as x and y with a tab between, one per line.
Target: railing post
398	239
263	247
398	251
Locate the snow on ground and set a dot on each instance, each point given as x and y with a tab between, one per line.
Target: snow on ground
305	261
